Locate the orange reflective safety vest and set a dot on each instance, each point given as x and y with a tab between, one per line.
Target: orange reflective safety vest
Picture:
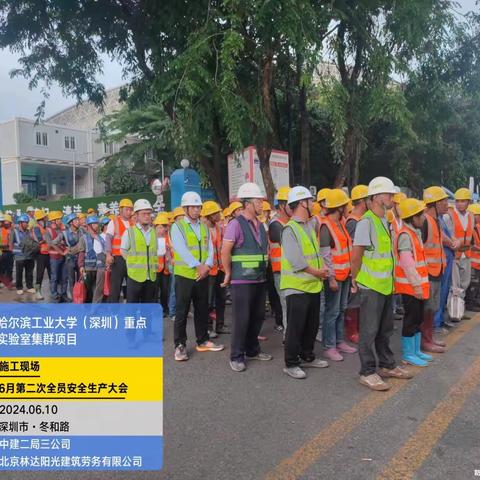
396	226
43	246
119	228
217	239
6	239
162	266
475	257
402	285
459	233
275	251
433	248
341	253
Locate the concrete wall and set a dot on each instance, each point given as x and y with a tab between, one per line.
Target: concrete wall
11	179
8	139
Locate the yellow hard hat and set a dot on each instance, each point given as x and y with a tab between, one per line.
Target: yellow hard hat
474	208
322	194
316	208
161	219
282	193
39	214
266	206
349	207
177	212
125	202
336	198
55	215
390	216
399	197
410	207
359	192
90	210
169	215
434	194
210	208
111	216
226	212
7	218
81	215
463	194
235	206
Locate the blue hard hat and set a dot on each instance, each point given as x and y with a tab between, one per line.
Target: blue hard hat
70	217
23	218
92	219
104	220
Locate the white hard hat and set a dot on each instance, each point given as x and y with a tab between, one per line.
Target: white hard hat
381	185
30	209
191	199
299	193
249	190
142	204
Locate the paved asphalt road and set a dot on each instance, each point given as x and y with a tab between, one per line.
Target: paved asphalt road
261	424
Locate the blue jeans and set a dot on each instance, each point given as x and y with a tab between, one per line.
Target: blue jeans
58	278
335	306
446	283
171	298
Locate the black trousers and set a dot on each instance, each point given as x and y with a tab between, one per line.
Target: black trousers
187	291
118	272
140	292
162	290
217	297
90	283
248	307
273	297
43	263
6	265
71	271
20	267
413	315
303	319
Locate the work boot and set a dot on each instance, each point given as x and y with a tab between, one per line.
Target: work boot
426	327
418	351
351	324
408	353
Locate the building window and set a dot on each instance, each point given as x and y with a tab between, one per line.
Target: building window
108	148
70	143
41	138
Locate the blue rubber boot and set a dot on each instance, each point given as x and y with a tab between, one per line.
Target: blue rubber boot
408	353
418	352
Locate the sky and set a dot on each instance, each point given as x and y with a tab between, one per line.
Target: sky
16	100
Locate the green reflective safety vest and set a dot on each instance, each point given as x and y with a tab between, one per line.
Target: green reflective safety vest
198	248
303	281
249	262
142	260
376	271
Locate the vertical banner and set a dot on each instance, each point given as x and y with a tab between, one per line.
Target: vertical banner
81	387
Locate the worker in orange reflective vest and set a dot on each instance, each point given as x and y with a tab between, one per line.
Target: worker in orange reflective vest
336	249
460	221
275	229
211	214
411	279
473	292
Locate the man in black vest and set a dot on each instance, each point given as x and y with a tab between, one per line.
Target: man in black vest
245	257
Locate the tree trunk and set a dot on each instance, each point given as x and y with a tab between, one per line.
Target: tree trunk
304	126
348	170
264	158
215	178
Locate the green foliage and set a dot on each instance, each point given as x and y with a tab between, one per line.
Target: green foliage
22	197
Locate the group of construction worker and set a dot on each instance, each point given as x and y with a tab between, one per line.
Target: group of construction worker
336	269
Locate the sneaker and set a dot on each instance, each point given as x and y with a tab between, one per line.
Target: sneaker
19	292
39	295
449	324
345	348
262	356
278	328
318	338
209	346
172	318
397	372
237	366
31	290
295	372
374	382
181	353
212	334
222	330
333	354
317	363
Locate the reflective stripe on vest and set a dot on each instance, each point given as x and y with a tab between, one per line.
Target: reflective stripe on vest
119	228
434	253
198	248
459	233
142	260
303	281
475	256
275	251
217	238
402	285
376	271
342	251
